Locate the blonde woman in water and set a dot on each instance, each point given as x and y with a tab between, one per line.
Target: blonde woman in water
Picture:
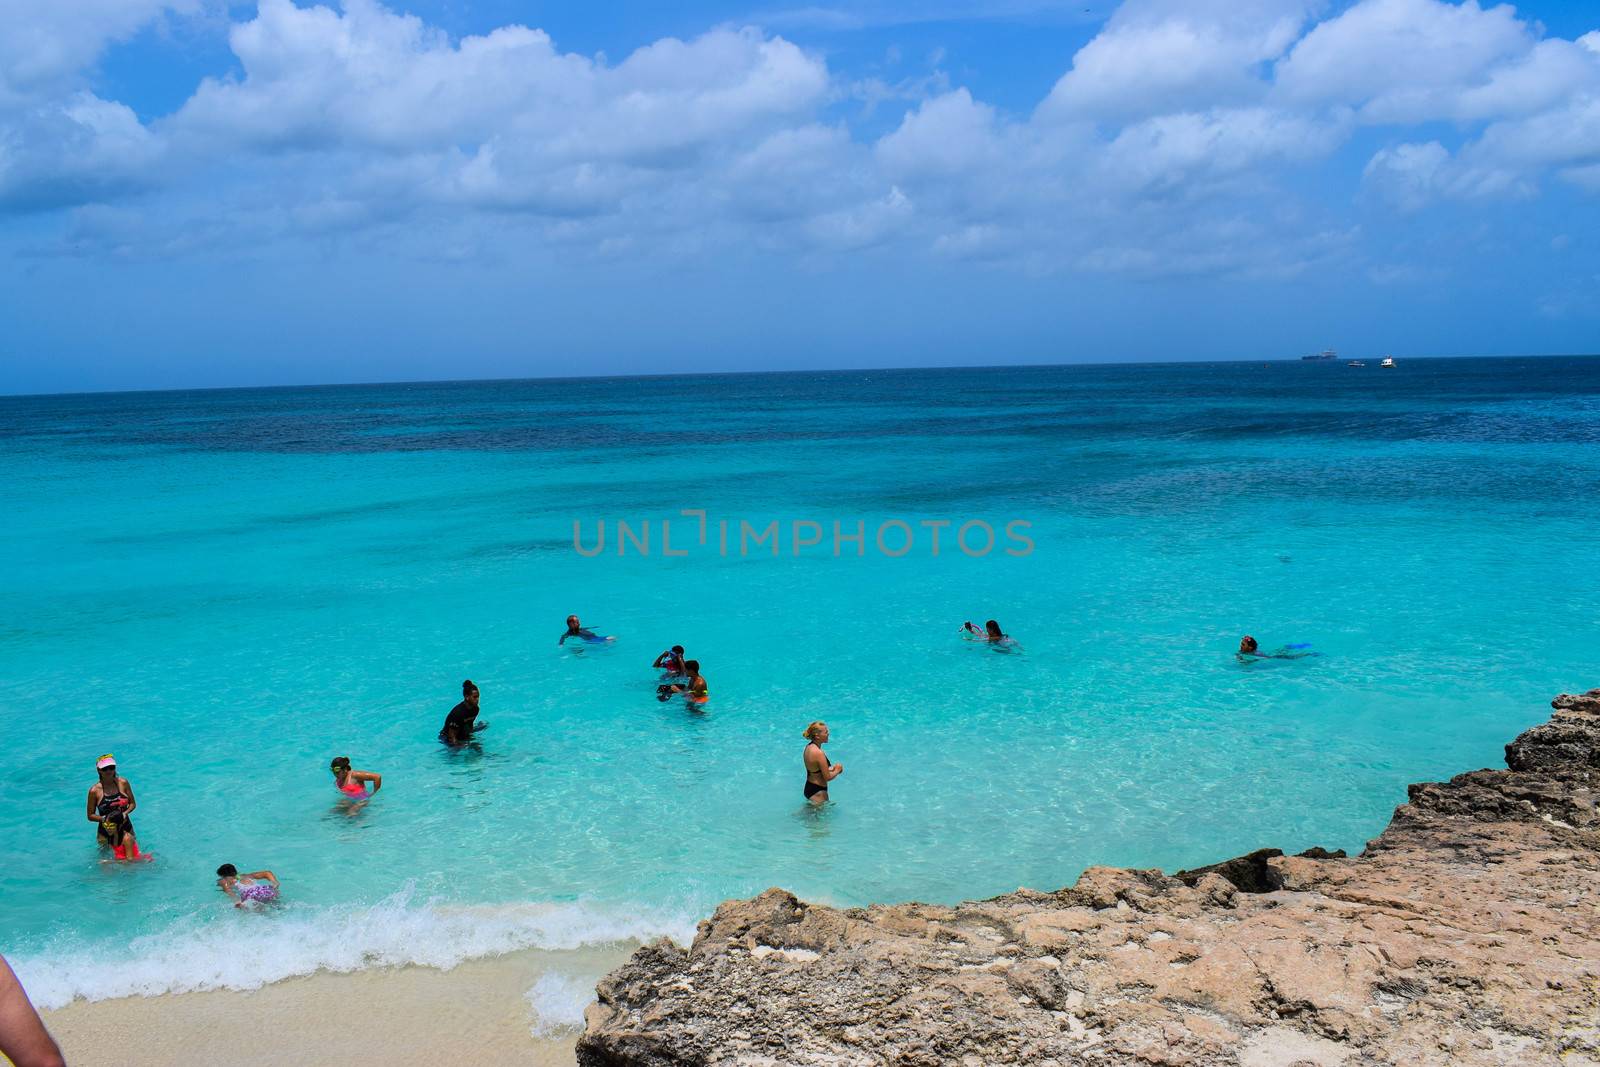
819	770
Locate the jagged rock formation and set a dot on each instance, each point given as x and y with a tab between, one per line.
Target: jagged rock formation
1468	933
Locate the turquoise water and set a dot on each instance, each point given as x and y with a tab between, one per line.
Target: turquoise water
226	589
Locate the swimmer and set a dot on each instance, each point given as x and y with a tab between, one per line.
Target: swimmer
1250	649
819	769
991	633
462	722
575	629
693	688
110	803
353	783
670	661
23	1039
259	886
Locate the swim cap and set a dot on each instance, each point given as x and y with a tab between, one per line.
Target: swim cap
108	760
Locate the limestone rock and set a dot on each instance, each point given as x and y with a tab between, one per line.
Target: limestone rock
1468	933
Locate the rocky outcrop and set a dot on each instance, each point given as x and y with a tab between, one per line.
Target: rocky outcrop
1468	933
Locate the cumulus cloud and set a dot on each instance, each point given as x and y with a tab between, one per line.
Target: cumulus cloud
45	46
1406	175
62	152
1402	60
368	77
1160	56
60	144
1173	140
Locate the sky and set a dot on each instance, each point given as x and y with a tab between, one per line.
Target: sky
200	193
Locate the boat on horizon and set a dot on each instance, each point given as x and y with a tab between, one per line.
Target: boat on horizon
1326	353
1388	361
1355	363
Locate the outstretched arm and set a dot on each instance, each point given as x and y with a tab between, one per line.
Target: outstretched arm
23	1038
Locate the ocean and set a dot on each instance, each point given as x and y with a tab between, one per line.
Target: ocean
226	589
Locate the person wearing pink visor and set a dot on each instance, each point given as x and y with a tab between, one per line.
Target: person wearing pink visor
110	803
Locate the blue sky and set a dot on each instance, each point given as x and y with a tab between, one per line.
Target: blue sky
199	193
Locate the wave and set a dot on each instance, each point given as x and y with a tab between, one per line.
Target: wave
558	1000
249	950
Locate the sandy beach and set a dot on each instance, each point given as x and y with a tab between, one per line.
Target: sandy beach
479	1012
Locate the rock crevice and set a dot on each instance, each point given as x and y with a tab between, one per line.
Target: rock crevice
1467	933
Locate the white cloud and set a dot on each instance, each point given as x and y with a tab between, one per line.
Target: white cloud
1158	56
45	45
947	135
315	78
1171	151
1406	176
1404	61
1172	142
64	152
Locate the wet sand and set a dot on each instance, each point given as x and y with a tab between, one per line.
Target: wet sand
477	1013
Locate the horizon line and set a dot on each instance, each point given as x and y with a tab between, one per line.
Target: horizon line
746	373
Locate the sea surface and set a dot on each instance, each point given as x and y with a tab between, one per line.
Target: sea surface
226	589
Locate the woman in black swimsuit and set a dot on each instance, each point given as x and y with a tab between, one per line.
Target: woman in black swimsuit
110	803
819	770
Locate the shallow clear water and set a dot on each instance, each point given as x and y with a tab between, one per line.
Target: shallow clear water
228	588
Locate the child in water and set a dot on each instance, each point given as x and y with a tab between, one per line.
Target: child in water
260	886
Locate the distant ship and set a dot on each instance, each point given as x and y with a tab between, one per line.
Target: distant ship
1355	363
1388	361
1326	353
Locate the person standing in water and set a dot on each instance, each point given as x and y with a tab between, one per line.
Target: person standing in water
670	661
462	722
578	630
819	770
693	687
110	803
260	886
353	783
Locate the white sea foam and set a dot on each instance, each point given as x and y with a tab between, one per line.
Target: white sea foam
235	951
558	1000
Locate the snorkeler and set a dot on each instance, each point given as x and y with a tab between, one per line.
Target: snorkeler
1249	649
353	783
819	769
259	886
575	629
670	661
462	722
110	803
693	687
